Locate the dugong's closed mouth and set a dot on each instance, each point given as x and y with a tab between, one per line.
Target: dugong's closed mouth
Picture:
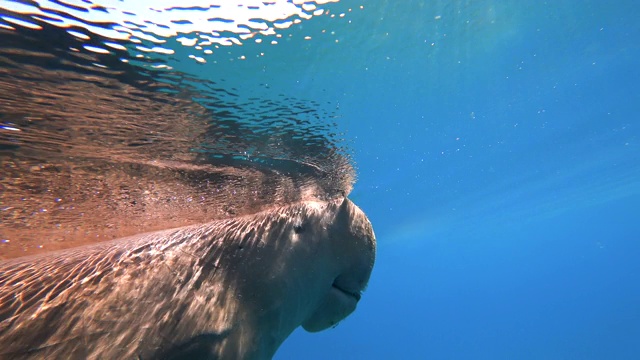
355	295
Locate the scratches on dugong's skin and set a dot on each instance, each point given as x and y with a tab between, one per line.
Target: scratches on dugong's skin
229	289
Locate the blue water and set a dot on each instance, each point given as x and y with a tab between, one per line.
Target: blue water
501	170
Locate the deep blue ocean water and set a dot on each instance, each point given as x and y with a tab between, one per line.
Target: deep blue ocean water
499	161
497	146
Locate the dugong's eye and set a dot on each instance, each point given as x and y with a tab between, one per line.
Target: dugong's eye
298	229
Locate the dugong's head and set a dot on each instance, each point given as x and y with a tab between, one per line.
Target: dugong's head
351	257
314	271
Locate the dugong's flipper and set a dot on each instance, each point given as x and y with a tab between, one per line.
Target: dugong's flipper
231	289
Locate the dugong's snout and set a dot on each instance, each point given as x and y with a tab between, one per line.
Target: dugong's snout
354	250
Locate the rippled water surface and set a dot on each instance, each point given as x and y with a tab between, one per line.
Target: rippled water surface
101	136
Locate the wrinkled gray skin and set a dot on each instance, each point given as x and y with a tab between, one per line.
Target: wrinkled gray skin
231	289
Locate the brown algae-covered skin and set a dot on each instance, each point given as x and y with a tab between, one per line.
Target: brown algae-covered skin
228	289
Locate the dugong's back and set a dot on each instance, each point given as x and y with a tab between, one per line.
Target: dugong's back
68	305
223	290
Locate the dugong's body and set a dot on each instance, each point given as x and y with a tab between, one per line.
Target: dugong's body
230	289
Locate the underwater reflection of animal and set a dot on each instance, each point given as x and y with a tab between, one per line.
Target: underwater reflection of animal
230	289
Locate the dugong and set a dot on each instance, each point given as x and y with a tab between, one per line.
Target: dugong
228	289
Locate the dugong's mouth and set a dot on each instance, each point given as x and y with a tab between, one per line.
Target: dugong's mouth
355	295
337	305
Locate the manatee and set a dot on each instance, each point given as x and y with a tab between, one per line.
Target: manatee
227	289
